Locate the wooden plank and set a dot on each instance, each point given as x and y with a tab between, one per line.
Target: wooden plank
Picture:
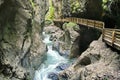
118	45
117	36
77	20
113	37
90	23
84	21
117	32
99	24
108	36
106	39
117	39
80	21
107	33
113	29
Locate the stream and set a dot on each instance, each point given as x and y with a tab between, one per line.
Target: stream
51	62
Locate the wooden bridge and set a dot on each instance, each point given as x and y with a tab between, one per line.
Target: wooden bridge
109	35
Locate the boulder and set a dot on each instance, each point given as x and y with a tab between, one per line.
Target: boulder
62	66
97	62
53	76
66	40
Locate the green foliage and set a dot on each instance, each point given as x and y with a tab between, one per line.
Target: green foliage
48	22
105	1
32	3
50	13
71	24
75	6
105	4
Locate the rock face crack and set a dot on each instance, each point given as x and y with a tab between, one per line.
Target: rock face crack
85	61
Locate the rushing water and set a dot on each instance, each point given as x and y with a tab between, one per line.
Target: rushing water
52	61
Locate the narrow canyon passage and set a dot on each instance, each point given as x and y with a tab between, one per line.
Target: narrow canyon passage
53	64
59	39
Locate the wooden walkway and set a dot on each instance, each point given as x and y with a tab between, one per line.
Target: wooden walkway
109	35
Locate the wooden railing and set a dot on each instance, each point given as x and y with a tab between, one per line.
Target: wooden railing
110	36
85	22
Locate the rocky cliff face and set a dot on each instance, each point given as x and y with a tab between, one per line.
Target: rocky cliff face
58	8
93	9
111	11
21	47
114	13
79	8
98	62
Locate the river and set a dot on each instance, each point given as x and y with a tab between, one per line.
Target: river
51	62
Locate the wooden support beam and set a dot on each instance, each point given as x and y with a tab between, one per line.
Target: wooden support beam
113	38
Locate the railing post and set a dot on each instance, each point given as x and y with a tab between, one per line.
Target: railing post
103	34
103	31
113	37
86	22
77	20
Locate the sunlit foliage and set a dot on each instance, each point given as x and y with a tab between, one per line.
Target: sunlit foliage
50	13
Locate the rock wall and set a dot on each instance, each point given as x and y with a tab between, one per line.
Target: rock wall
111	15
58	8
98	62
91	9
21	47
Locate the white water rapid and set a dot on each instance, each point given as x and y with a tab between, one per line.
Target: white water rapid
52	61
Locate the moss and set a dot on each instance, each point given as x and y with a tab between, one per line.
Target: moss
71	24
48	22
50	13
9	33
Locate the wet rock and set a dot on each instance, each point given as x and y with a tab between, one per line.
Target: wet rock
70	40
62	66
63	76
53	76
66	40
7	72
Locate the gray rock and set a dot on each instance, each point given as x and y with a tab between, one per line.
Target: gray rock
62	66
97	62
65	40
21	46
53	76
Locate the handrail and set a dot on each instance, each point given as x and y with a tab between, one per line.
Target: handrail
109	35
82	21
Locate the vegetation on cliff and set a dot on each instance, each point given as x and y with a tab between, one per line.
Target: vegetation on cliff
50	13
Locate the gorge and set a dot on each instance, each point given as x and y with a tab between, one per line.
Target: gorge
35	47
